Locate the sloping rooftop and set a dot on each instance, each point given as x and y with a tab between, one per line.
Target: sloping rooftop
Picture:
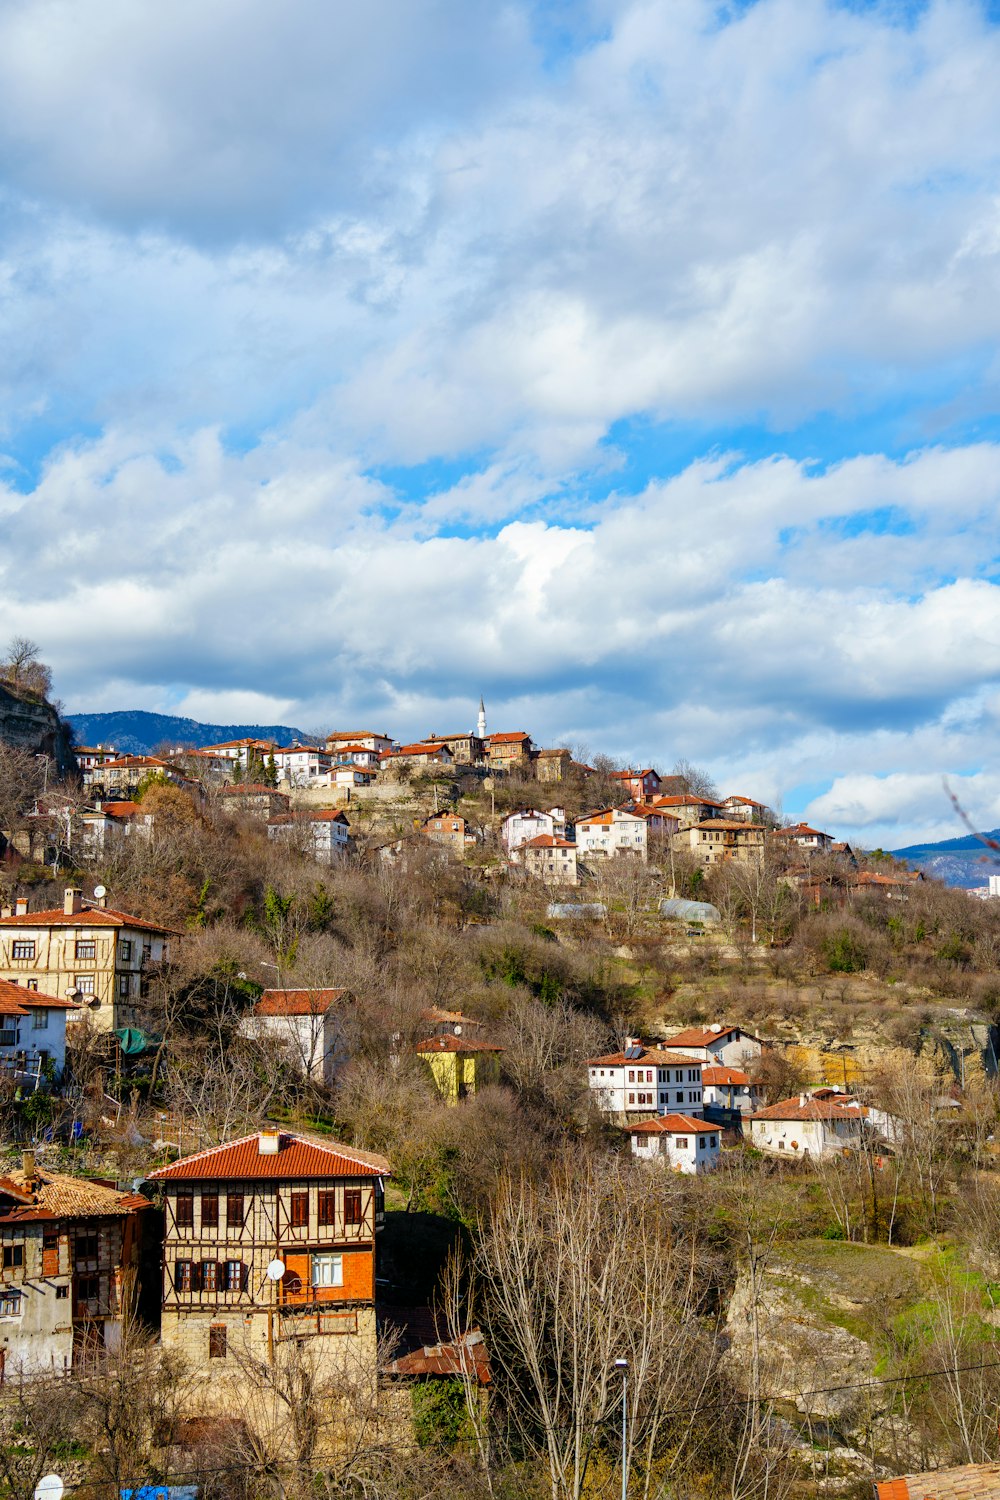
87	916
468	1353
700	1036
672	1125
16	1000
296	1002
645	1055
53	1195
456	1044
298	1156
717	1076
801	1108
967	1482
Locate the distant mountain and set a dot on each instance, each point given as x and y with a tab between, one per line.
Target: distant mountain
962	862
135	732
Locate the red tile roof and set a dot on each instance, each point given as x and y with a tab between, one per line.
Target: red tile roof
508	739
120	809
53	1195
732	825
647	1055
700	1036
672	1125
718	1076
547	841
812	1109
87	916
456	1044
296	1002
298	1157
15	1000
967	1482
685	799
800	830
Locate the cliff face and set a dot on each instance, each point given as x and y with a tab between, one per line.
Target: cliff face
30	724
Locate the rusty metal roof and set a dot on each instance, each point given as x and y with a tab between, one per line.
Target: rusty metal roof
467	1353
297	1157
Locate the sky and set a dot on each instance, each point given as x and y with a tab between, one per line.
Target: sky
634	363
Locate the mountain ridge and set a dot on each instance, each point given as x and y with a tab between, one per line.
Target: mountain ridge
961	861
135	731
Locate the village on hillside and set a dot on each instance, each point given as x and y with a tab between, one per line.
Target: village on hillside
288	1031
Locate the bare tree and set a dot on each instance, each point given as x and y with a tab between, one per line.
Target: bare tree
23	670
697	782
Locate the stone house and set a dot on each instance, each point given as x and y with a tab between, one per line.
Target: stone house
552	765
679	1141
86	952
428	755
70	1252
270	1246
549	859
119	779
713	841
507	752
466	749
745	808
686	808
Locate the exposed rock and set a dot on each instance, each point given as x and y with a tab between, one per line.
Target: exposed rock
32	724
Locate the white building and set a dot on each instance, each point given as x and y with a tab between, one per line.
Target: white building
802	1126
610	832
643	1080
303	765
305	1024
520	827
32	1031
745	809
678	1141
324	833
806	837
717	1043
366	738
729	1088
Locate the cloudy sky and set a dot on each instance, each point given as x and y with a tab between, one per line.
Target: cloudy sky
635	363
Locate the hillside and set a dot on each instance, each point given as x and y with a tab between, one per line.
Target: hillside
959	862
138	733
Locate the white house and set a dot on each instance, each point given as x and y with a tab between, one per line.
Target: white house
806	837
745	809
351	775
356	755
303	765
324	832
305	1025
552	860
803	1126
717	1043
609	832
520	827
678	1141
366	738
729	1088
32	1031
643	1080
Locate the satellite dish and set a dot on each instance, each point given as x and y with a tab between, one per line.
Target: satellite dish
458	1031
49	1487
99	891
276	1270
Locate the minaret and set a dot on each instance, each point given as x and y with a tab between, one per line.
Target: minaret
481	723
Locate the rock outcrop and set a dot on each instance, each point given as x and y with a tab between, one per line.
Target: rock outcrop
32	724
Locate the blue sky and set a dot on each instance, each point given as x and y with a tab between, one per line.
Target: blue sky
633	364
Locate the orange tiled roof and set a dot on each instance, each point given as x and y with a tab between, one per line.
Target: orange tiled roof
87	916
548	841
672	1125
718	1075
455	1044
15	1000
296	1002
298	1157
684	799
812	1109
967	1482
699	1036
648	1055
508	739
52	1195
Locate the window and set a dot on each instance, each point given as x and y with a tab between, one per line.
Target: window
184	1210
22	948
13	1255
184	1275
234	1210
234	1276
701	1143
10	1304
87	1289
209	1276
123	984
85	948
39	1019
30	984
8	1038
328	1270
327	1206
631	1075
680	1096
62	1292
209	1210
681	1142
631	1098
352	1205
84	983
713	1141
300	1210
217	1341
125	950
85	1248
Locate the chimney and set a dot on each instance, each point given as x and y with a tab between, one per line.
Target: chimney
72	901
268	1142
28	1167
803	1100
21	906
5	911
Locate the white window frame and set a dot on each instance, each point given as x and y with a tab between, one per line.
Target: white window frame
327	1269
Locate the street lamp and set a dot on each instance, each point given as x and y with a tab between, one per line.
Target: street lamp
622	1364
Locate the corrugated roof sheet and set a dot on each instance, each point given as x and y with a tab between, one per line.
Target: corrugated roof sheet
298	1156
447	1359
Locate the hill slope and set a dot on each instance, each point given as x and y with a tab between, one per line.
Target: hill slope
962	861
135	732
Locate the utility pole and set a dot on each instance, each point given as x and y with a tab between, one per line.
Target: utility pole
622	1364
